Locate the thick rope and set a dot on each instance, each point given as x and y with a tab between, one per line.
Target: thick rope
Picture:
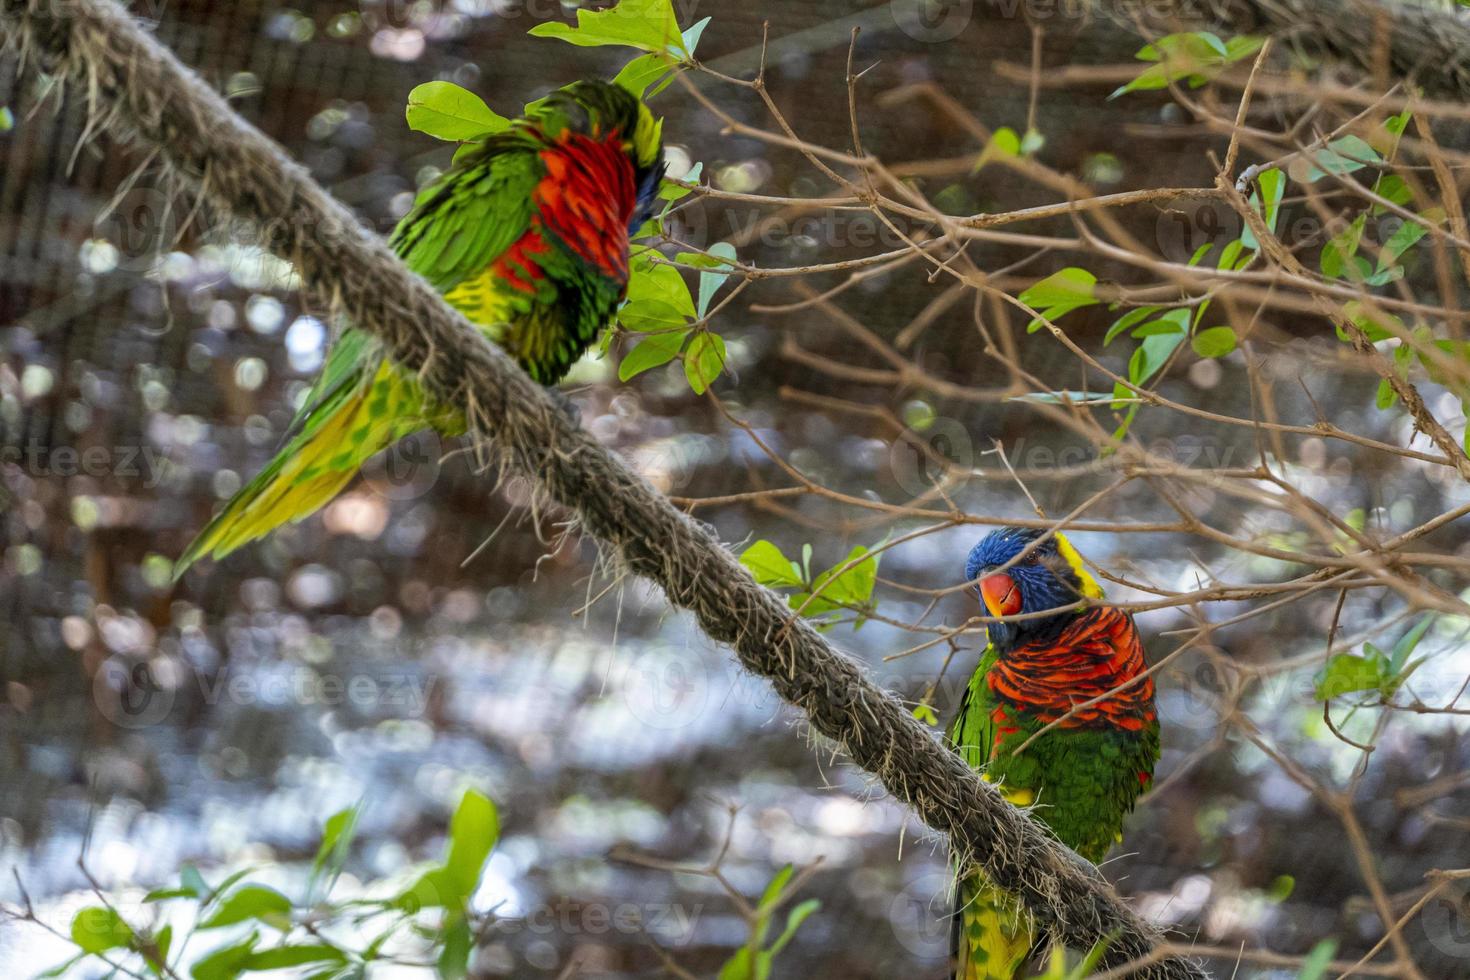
1425	43
140	91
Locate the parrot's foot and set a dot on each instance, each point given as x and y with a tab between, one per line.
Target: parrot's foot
565	403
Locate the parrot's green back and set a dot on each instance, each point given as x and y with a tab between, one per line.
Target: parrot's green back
527	236
1080	778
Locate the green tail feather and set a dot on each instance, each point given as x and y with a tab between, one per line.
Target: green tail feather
359	405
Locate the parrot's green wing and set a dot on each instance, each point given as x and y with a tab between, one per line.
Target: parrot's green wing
463	221
346	365
973	730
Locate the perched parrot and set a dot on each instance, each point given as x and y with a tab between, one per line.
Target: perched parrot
527	235
1082	777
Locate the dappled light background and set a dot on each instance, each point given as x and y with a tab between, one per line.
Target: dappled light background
391	651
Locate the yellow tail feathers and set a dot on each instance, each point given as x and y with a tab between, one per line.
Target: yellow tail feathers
993	935
315	466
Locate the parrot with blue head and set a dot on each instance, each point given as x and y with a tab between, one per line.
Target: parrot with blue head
1067	658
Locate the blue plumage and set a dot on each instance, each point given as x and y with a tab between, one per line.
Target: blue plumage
1045	578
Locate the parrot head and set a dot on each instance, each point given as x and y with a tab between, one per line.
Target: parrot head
602	110
1013	575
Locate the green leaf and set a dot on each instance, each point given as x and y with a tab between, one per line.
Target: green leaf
7	119
1406	237
1196	56
1339	251
798	914
1344	155
1060	293
1265	201
165	894
1314	966
1406	644
925	713
1230	253
693	33
1385	396
97	928
1003	143
162	941
337	834
449	112
1347	673
192	882
649	25
1160	326
723	253
436	888
670	191
655	280
1127	320
1063	397
473	832
251	902
771	897
1070	285
1122	429
1199	253
1032	142
651	315
852	588
1243	46
1281	888
643	71
1393	188
704	360
225	962
1214	342
738	966
284	956
1374	330
653	351
1153	354
769	566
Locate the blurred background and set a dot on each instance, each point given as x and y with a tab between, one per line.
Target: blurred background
149	362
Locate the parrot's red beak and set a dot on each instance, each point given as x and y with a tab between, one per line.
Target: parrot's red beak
1001	596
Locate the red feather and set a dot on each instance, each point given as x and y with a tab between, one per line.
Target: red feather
1095	654
587	199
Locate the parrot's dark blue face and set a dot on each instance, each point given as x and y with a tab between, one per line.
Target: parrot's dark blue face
649	181
1046	578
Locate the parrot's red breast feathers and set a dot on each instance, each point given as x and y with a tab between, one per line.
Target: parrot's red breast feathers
1097	655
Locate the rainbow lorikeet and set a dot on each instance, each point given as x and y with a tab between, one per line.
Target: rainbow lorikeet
527	235
1080	778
